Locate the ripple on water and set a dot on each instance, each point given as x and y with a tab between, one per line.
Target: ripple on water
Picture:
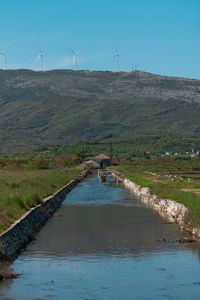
105	244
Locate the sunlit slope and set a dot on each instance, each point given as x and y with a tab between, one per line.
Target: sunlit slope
62	105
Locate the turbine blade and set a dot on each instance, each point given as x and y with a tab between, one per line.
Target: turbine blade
37	57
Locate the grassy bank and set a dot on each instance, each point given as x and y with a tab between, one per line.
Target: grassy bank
174	179
24	183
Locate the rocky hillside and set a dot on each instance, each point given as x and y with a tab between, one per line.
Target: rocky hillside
61	106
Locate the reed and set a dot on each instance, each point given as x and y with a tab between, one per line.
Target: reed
24	187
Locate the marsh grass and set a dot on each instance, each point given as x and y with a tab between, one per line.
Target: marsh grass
168	179
24	187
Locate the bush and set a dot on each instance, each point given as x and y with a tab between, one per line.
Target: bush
65	161
41	163
183	158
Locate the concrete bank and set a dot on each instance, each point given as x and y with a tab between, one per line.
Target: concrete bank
170	209
23	230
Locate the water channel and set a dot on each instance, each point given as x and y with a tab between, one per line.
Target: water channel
103	243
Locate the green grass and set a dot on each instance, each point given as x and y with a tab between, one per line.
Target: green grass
154	174
24	188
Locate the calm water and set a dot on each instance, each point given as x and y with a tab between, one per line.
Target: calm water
104	244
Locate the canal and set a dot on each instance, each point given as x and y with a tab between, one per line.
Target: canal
103	243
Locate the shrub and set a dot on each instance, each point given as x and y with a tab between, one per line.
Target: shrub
65	161
41	163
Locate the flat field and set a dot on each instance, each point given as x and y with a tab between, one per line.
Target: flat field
169	178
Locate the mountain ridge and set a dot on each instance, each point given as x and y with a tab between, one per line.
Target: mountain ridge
60	106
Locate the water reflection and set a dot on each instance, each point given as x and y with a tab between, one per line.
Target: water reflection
102	218
104	244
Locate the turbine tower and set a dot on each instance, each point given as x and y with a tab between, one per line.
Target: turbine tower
5	53
40	57
134	67
116	61
75	59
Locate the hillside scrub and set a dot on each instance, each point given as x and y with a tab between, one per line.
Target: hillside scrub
37	107
173	179
23	185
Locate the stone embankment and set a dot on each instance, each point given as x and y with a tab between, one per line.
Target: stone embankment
101	175
24	229
174	212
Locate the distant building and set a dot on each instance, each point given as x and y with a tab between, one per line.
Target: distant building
146	153
101	160
169	153
193	153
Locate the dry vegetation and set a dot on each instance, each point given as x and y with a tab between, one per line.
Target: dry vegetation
6	271
24	183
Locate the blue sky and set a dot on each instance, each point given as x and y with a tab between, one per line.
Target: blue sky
159	36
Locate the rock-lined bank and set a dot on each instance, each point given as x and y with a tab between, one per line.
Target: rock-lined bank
23	230
170	209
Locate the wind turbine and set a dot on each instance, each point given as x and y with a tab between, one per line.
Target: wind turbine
40	57
134	67
116	61
75	59
5	53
